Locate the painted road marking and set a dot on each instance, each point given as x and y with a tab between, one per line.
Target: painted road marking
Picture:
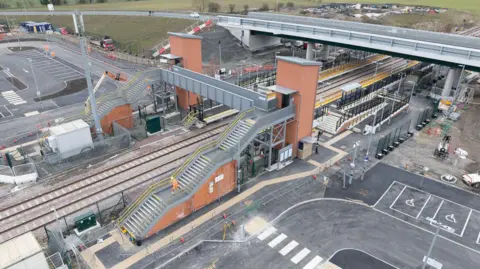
423	207
13	98
284	251
466	222
383	195
400	194
28	114
277	240
300	255
313	263
267	233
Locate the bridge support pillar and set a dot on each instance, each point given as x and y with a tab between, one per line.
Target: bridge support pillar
310	47
450	82
325	51
255	41
300	75
189	47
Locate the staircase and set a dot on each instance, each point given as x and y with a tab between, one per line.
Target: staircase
134	90
140	217
189	120
234	138
164	46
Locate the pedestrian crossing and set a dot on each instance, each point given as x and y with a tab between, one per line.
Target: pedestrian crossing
13	98
296	253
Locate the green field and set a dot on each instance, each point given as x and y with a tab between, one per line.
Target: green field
472	5
135	34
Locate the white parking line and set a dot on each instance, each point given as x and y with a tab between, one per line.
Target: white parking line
381	197
466	222
478	238
284	251
11	114
313	263
421	210
400	194
300	255
277	240
438	209
267	233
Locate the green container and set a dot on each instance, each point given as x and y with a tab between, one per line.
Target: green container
85	221
153	124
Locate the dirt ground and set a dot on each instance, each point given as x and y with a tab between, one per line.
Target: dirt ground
417	153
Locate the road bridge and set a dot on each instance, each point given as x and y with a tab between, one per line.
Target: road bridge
445	49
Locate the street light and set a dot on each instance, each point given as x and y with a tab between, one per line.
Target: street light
35	80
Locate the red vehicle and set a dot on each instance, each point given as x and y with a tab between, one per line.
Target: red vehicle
106	43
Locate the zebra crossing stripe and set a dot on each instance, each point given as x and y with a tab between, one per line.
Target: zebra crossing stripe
313	263
300	255
284	251
13	98
277	240
266	233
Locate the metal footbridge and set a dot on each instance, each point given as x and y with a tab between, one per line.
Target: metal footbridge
441	48
257	113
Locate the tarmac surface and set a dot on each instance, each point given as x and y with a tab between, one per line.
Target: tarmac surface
60	87
381	230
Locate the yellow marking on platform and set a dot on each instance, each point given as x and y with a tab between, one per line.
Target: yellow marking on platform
349	66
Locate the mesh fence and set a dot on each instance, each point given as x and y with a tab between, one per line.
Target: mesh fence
53	162
394	138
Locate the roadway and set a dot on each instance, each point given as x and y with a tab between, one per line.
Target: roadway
176	15
52	76
386	228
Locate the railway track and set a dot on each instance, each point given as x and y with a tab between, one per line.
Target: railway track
36	212
360	75
333	88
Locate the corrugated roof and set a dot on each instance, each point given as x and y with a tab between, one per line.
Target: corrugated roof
68	127
17	249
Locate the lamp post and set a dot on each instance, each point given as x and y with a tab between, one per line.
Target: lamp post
36	85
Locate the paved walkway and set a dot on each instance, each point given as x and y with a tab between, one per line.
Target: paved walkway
95	263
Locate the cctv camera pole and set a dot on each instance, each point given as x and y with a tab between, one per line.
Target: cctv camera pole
87	64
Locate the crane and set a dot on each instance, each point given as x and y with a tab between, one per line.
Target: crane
114	76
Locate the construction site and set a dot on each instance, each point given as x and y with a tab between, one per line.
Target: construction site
263	140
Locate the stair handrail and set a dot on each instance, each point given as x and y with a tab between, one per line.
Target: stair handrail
212	143
153	187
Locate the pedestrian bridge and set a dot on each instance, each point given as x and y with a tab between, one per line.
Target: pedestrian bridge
440	48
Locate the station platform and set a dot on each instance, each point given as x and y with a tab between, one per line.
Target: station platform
349	67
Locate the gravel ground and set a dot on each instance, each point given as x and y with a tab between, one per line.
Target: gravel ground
418	152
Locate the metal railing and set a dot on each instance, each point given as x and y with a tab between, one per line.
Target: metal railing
164	182
452	54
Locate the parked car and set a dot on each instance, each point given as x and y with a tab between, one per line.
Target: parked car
194	15
472	180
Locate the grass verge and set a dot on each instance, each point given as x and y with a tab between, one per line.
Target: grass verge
135	34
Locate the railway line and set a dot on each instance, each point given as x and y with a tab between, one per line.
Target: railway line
393	65
361	74
36	212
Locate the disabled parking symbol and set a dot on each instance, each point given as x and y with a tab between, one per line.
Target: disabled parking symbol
410	202
451	218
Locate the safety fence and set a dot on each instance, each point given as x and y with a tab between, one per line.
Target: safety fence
393	139
53	162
